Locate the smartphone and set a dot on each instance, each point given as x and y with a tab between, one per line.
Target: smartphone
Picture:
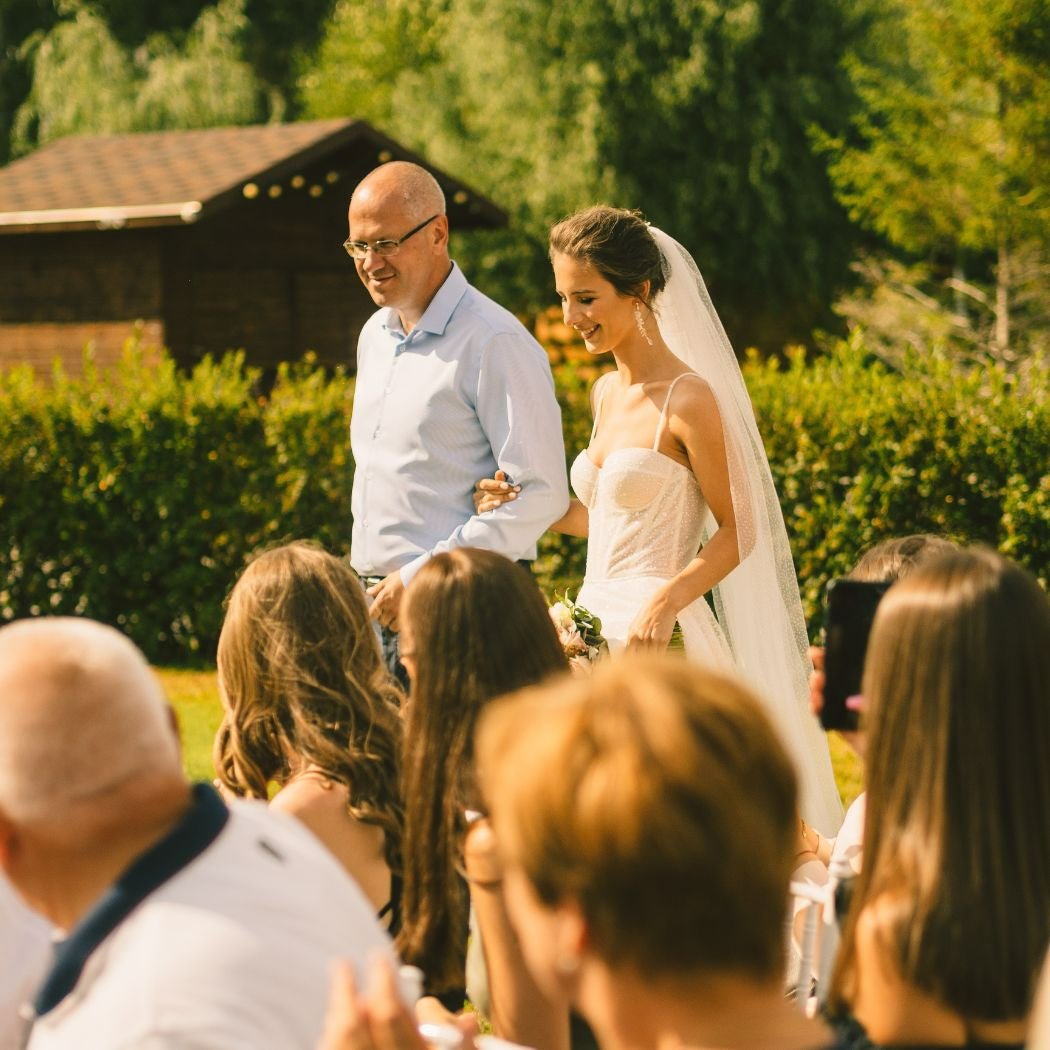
848	615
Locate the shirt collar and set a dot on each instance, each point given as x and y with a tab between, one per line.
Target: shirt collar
197	830
437	315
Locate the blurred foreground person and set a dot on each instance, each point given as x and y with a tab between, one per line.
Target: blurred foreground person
950	917
25	951
647	819
186	924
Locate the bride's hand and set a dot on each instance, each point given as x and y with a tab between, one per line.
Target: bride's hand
653	626
490	493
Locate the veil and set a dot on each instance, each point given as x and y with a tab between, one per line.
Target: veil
757	604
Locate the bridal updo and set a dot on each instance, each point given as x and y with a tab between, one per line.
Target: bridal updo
617	243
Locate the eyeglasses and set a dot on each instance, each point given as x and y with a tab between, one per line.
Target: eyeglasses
359	249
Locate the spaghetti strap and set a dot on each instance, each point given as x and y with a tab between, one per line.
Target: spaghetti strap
663	411
599	397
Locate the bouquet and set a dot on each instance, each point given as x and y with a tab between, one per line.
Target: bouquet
579	631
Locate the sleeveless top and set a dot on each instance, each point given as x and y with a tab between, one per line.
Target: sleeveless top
646	510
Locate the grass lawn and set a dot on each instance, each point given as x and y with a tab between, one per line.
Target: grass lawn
195	698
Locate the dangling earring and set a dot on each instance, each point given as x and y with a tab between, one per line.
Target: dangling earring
639	320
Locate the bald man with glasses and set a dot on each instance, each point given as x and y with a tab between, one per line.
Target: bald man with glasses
450	388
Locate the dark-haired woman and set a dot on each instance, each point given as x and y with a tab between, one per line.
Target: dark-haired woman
674	491
473	626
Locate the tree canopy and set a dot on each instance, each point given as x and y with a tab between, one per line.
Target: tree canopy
774	138
950	162
696	113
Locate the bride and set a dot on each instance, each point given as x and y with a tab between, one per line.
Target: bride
674	491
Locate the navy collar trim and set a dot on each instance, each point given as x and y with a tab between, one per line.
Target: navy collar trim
193	834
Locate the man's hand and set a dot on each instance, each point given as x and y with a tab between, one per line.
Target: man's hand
857	739
386	600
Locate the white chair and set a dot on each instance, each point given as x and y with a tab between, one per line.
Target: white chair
813	938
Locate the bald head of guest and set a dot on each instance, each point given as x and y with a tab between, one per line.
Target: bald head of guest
401	204
90	766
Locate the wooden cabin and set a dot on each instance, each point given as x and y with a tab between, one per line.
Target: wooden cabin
202	240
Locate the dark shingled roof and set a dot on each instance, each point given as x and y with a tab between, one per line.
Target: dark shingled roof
162	177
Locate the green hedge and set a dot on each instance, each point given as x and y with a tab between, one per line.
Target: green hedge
860	454
134	496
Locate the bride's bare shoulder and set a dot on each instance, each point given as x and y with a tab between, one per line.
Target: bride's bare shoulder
692	399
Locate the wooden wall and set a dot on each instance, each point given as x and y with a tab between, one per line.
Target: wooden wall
269	276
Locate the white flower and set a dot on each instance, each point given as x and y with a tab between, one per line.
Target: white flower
562	616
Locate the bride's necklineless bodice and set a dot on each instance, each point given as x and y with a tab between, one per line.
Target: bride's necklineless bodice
645	510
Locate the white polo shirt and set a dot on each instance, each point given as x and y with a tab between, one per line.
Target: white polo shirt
232	951
25	949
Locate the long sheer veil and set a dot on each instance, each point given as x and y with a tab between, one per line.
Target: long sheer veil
758	603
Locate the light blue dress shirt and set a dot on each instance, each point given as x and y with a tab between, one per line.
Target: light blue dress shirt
466	393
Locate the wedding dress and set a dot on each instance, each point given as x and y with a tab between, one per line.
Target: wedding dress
648	519
646	515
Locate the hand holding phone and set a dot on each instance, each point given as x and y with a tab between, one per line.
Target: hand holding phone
849	614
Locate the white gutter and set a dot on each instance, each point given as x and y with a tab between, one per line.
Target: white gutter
104	218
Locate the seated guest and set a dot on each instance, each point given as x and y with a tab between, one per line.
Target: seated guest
187	923
310	706
950	918
1039	1036
473	625
646	818
886	562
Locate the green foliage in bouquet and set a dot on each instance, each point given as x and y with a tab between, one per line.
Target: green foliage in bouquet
579	630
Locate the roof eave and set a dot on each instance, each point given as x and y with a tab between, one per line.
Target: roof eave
177	213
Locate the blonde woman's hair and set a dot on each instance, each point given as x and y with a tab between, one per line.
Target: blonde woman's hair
303	683
956	873
655	794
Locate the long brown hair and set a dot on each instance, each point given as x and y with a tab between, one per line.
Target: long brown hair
303	683
956	873
478	627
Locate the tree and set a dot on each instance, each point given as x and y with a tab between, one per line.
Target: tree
118	65
695	112
18	19
85	81
951	162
